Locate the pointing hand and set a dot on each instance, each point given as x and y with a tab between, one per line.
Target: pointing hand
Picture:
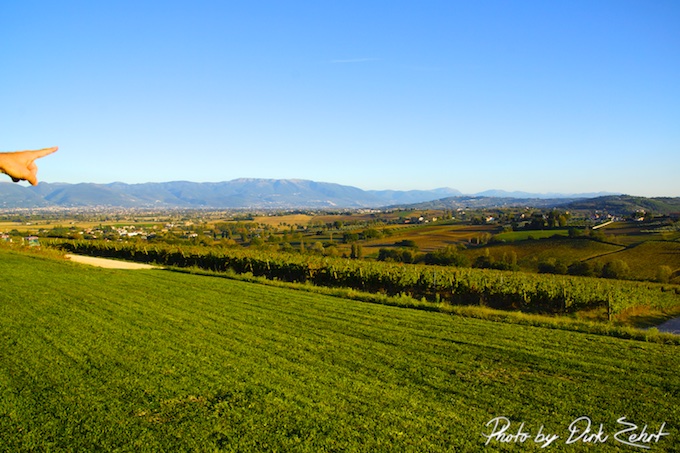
20	165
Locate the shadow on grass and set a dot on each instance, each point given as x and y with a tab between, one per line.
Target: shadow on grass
646	317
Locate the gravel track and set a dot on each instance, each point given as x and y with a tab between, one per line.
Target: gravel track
108	263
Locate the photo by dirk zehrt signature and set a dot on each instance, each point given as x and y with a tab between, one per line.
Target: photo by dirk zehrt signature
501	430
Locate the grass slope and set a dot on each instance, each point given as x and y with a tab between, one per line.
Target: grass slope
99	359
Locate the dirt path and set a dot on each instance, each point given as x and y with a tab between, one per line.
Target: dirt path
107	263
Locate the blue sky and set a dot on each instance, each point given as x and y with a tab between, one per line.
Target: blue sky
540	96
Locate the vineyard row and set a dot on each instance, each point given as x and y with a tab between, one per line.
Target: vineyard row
464	286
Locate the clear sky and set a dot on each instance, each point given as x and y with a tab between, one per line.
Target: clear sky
543	96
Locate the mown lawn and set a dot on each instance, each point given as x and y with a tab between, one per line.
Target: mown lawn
102	360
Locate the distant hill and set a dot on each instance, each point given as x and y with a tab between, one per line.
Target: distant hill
13	195
397	197
547	196
479	202
622	205
239	193
627	204
252	193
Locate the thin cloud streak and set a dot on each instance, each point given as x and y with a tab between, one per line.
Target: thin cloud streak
354	60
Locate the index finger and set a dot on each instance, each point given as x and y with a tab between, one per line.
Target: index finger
44	152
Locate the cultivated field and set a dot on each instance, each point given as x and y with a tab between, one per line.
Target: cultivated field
644	259
281	221
151	360
530	253
432	237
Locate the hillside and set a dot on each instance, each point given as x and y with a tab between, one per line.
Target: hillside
111	360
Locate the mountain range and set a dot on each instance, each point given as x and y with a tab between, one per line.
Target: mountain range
251	194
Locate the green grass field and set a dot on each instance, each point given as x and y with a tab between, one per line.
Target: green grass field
104	360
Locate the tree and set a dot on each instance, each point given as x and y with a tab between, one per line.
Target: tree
617	269
407	256
509	261
398	255
485	261
552	266
537	222
387	254
664	274
576	232
318	248
372	233
598	235
350	237
581	268
448	256
562	220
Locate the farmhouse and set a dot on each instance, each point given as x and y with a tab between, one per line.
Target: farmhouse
32	241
